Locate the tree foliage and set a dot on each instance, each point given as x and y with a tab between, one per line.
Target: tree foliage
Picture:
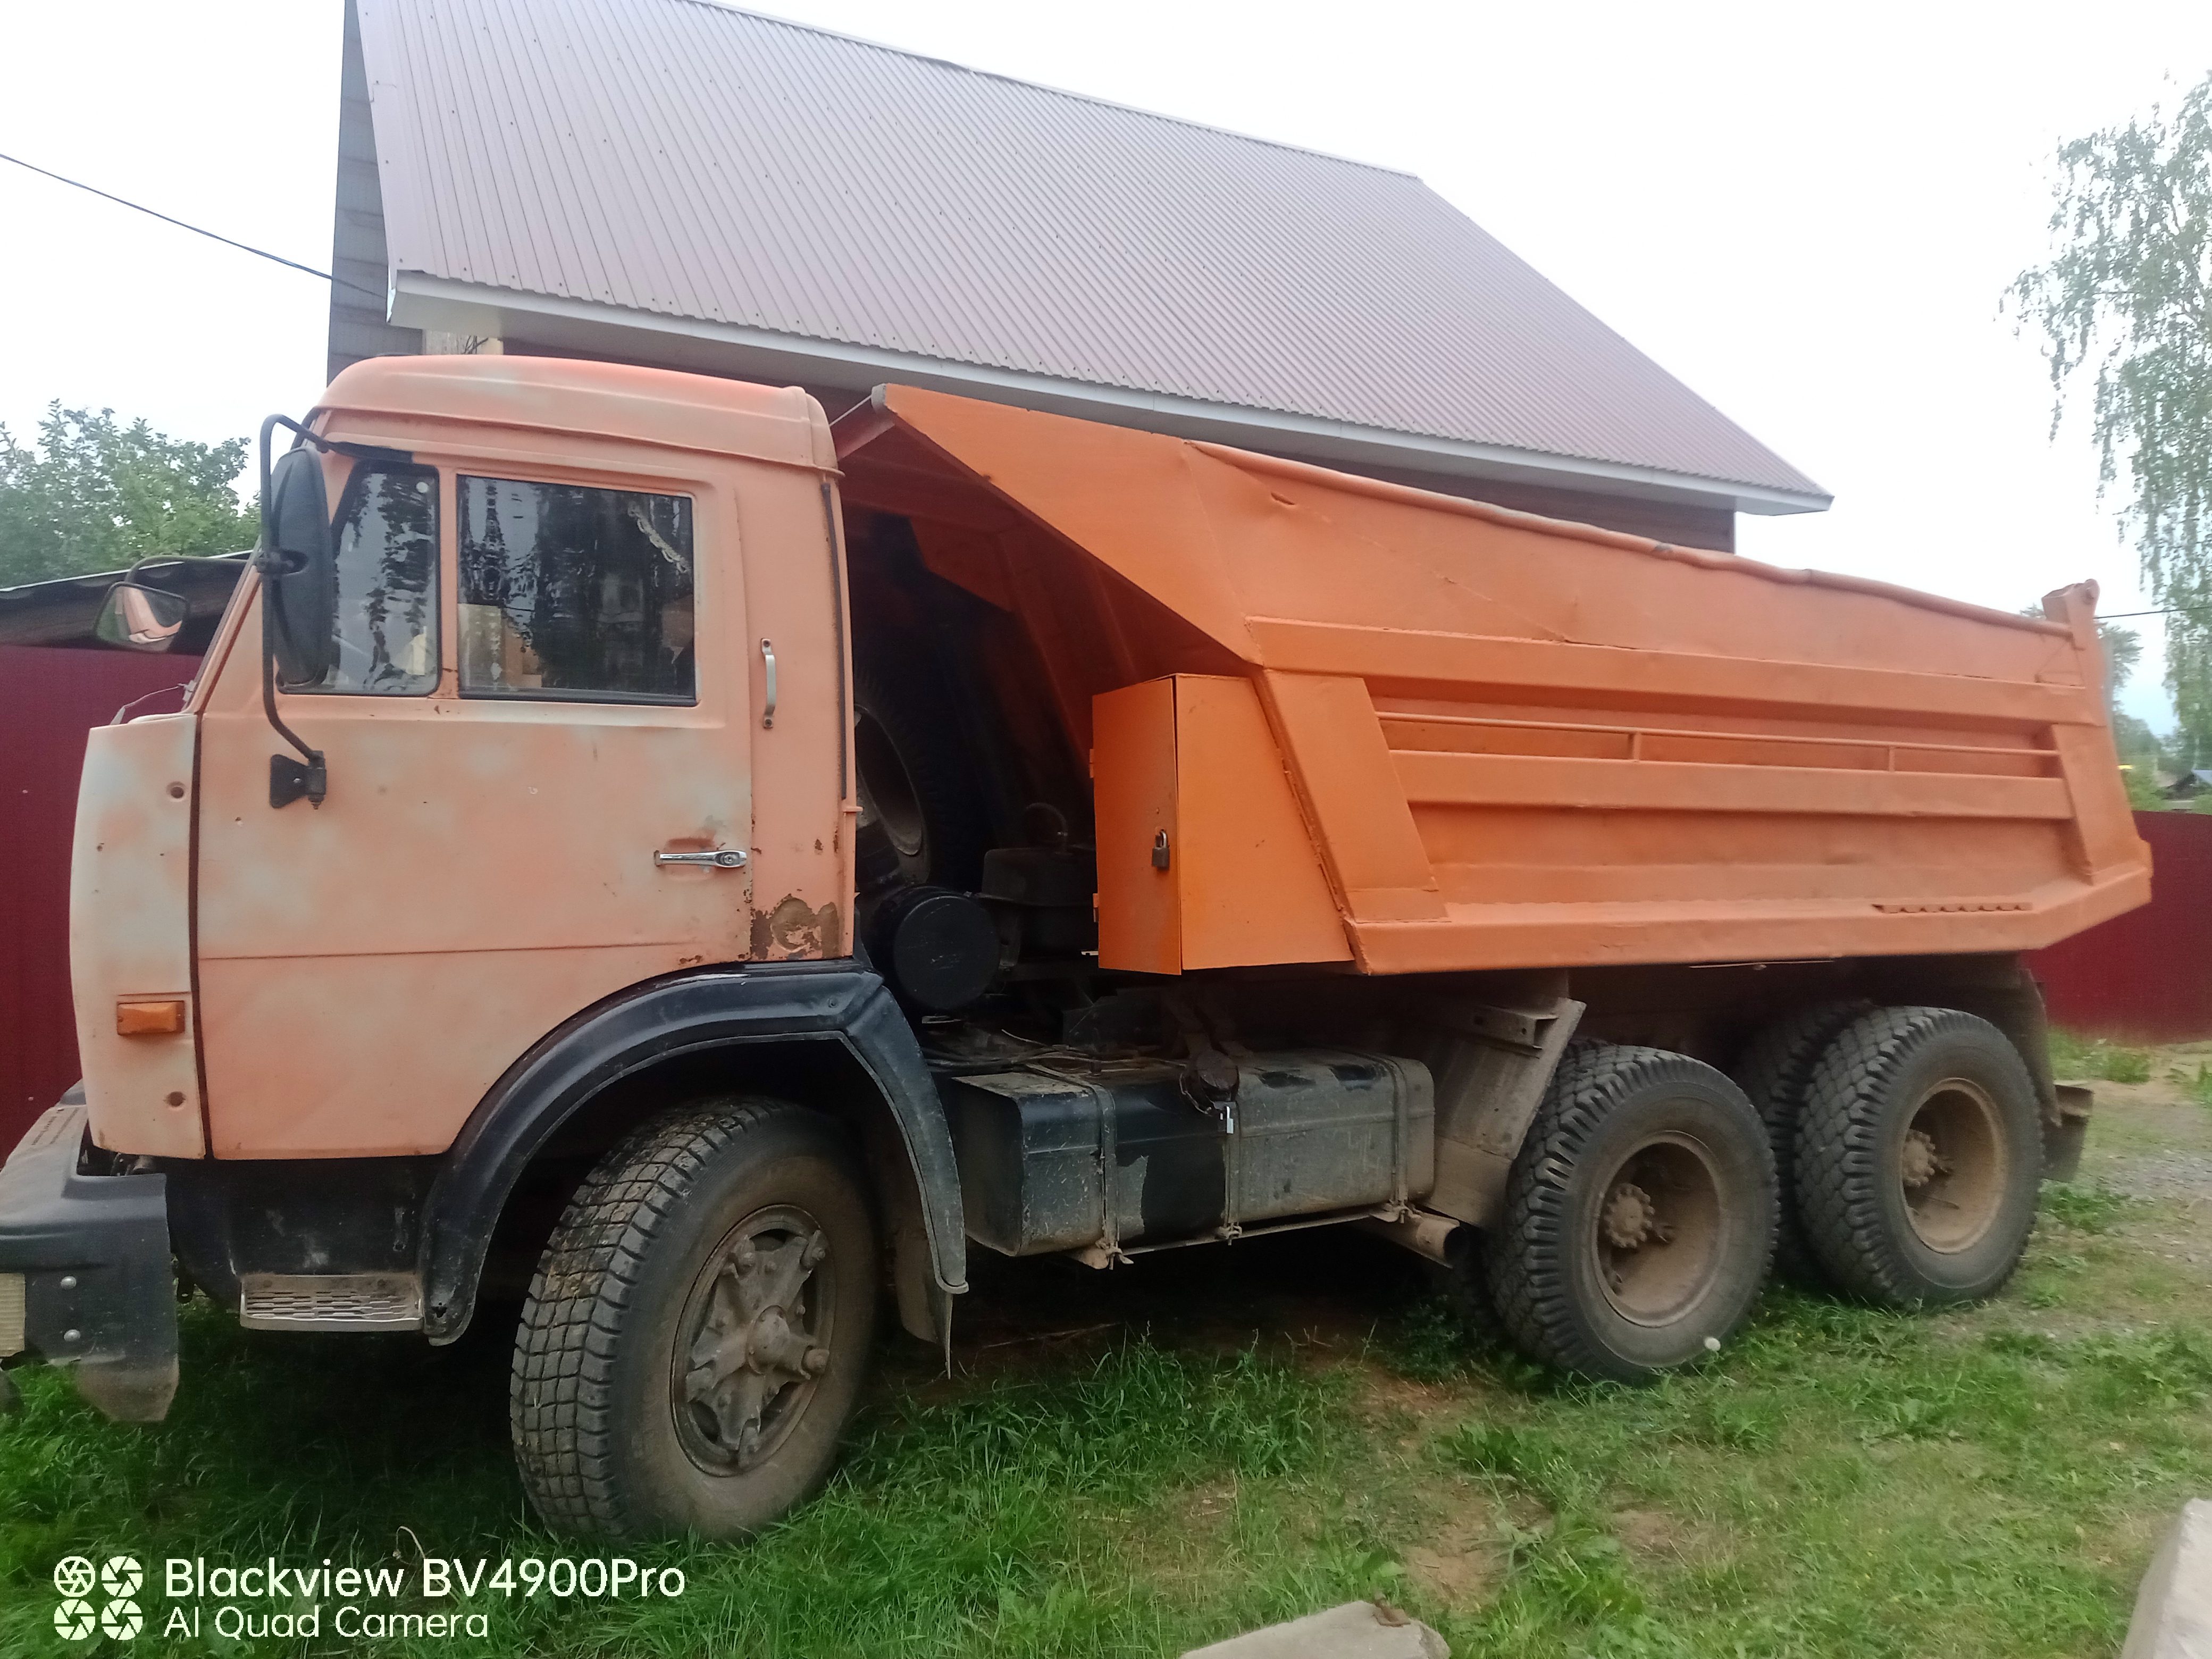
2123	648
2142	756
2137	744
95	494
2128	294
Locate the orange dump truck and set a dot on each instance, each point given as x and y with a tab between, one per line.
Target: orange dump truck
640	852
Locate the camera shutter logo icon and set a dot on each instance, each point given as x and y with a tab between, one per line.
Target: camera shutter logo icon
73	1620
121	1620
121	1576
73	1576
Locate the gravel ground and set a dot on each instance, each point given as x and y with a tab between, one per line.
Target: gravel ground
2154	1139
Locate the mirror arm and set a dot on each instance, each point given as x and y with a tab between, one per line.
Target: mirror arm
289	779
325	446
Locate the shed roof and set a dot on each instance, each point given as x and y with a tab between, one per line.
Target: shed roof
826	209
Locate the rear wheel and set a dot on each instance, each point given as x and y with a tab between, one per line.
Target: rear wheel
1639	1215
1918	1157
698	1329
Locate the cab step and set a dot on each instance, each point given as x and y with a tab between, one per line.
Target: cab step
329	1301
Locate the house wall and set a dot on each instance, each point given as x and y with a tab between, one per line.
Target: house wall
358	259
1682	524
49	699
1679	524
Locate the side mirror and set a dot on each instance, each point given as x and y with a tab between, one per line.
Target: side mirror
139	618
299	570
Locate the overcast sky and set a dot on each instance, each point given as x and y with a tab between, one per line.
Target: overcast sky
1809	214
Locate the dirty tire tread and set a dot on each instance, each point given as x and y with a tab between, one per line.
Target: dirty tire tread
560	1397
1525	1262
1775	1070
1837	1173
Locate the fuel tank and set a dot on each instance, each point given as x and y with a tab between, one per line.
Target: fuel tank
1129	1154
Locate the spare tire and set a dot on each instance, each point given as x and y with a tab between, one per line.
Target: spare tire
922	823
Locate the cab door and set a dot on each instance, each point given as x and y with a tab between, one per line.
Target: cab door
539	793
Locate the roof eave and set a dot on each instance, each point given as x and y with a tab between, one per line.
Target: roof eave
422	300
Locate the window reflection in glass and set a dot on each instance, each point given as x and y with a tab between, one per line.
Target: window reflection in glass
385	622
570	592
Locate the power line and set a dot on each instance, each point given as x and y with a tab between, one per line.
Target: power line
242	248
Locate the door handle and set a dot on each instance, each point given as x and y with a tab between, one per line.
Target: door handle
767	707
723	858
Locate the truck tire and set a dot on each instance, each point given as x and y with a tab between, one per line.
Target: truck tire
1918	1157
1639	1215
698	1328
1774	1072
921	821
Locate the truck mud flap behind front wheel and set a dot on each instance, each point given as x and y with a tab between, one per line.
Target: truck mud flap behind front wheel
86	1279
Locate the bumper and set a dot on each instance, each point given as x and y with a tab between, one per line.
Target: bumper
85	1274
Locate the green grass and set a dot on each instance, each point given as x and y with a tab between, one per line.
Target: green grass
1849	1482
2084	1207
1304	1425
1004	1518
2097	1060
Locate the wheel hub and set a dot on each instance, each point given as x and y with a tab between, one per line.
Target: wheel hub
1952	1166
1631	1219
1658	1230
1919	1163
755	1343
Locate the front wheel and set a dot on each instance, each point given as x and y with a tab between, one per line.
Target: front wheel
698	1328
1639	1215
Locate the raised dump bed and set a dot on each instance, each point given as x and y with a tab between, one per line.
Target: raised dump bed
1335	719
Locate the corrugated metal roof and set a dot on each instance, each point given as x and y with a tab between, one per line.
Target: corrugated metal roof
691	162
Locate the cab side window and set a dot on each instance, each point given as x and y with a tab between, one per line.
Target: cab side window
574	593
385	625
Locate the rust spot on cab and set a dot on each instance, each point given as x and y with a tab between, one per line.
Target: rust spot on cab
794	929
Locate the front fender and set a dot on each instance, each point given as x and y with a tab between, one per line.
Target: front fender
725	1007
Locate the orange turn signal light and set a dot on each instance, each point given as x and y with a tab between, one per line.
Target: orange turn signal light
157	1016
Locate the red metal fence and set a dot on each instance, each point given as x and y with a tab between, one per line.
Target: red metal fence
2145	976
49	699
